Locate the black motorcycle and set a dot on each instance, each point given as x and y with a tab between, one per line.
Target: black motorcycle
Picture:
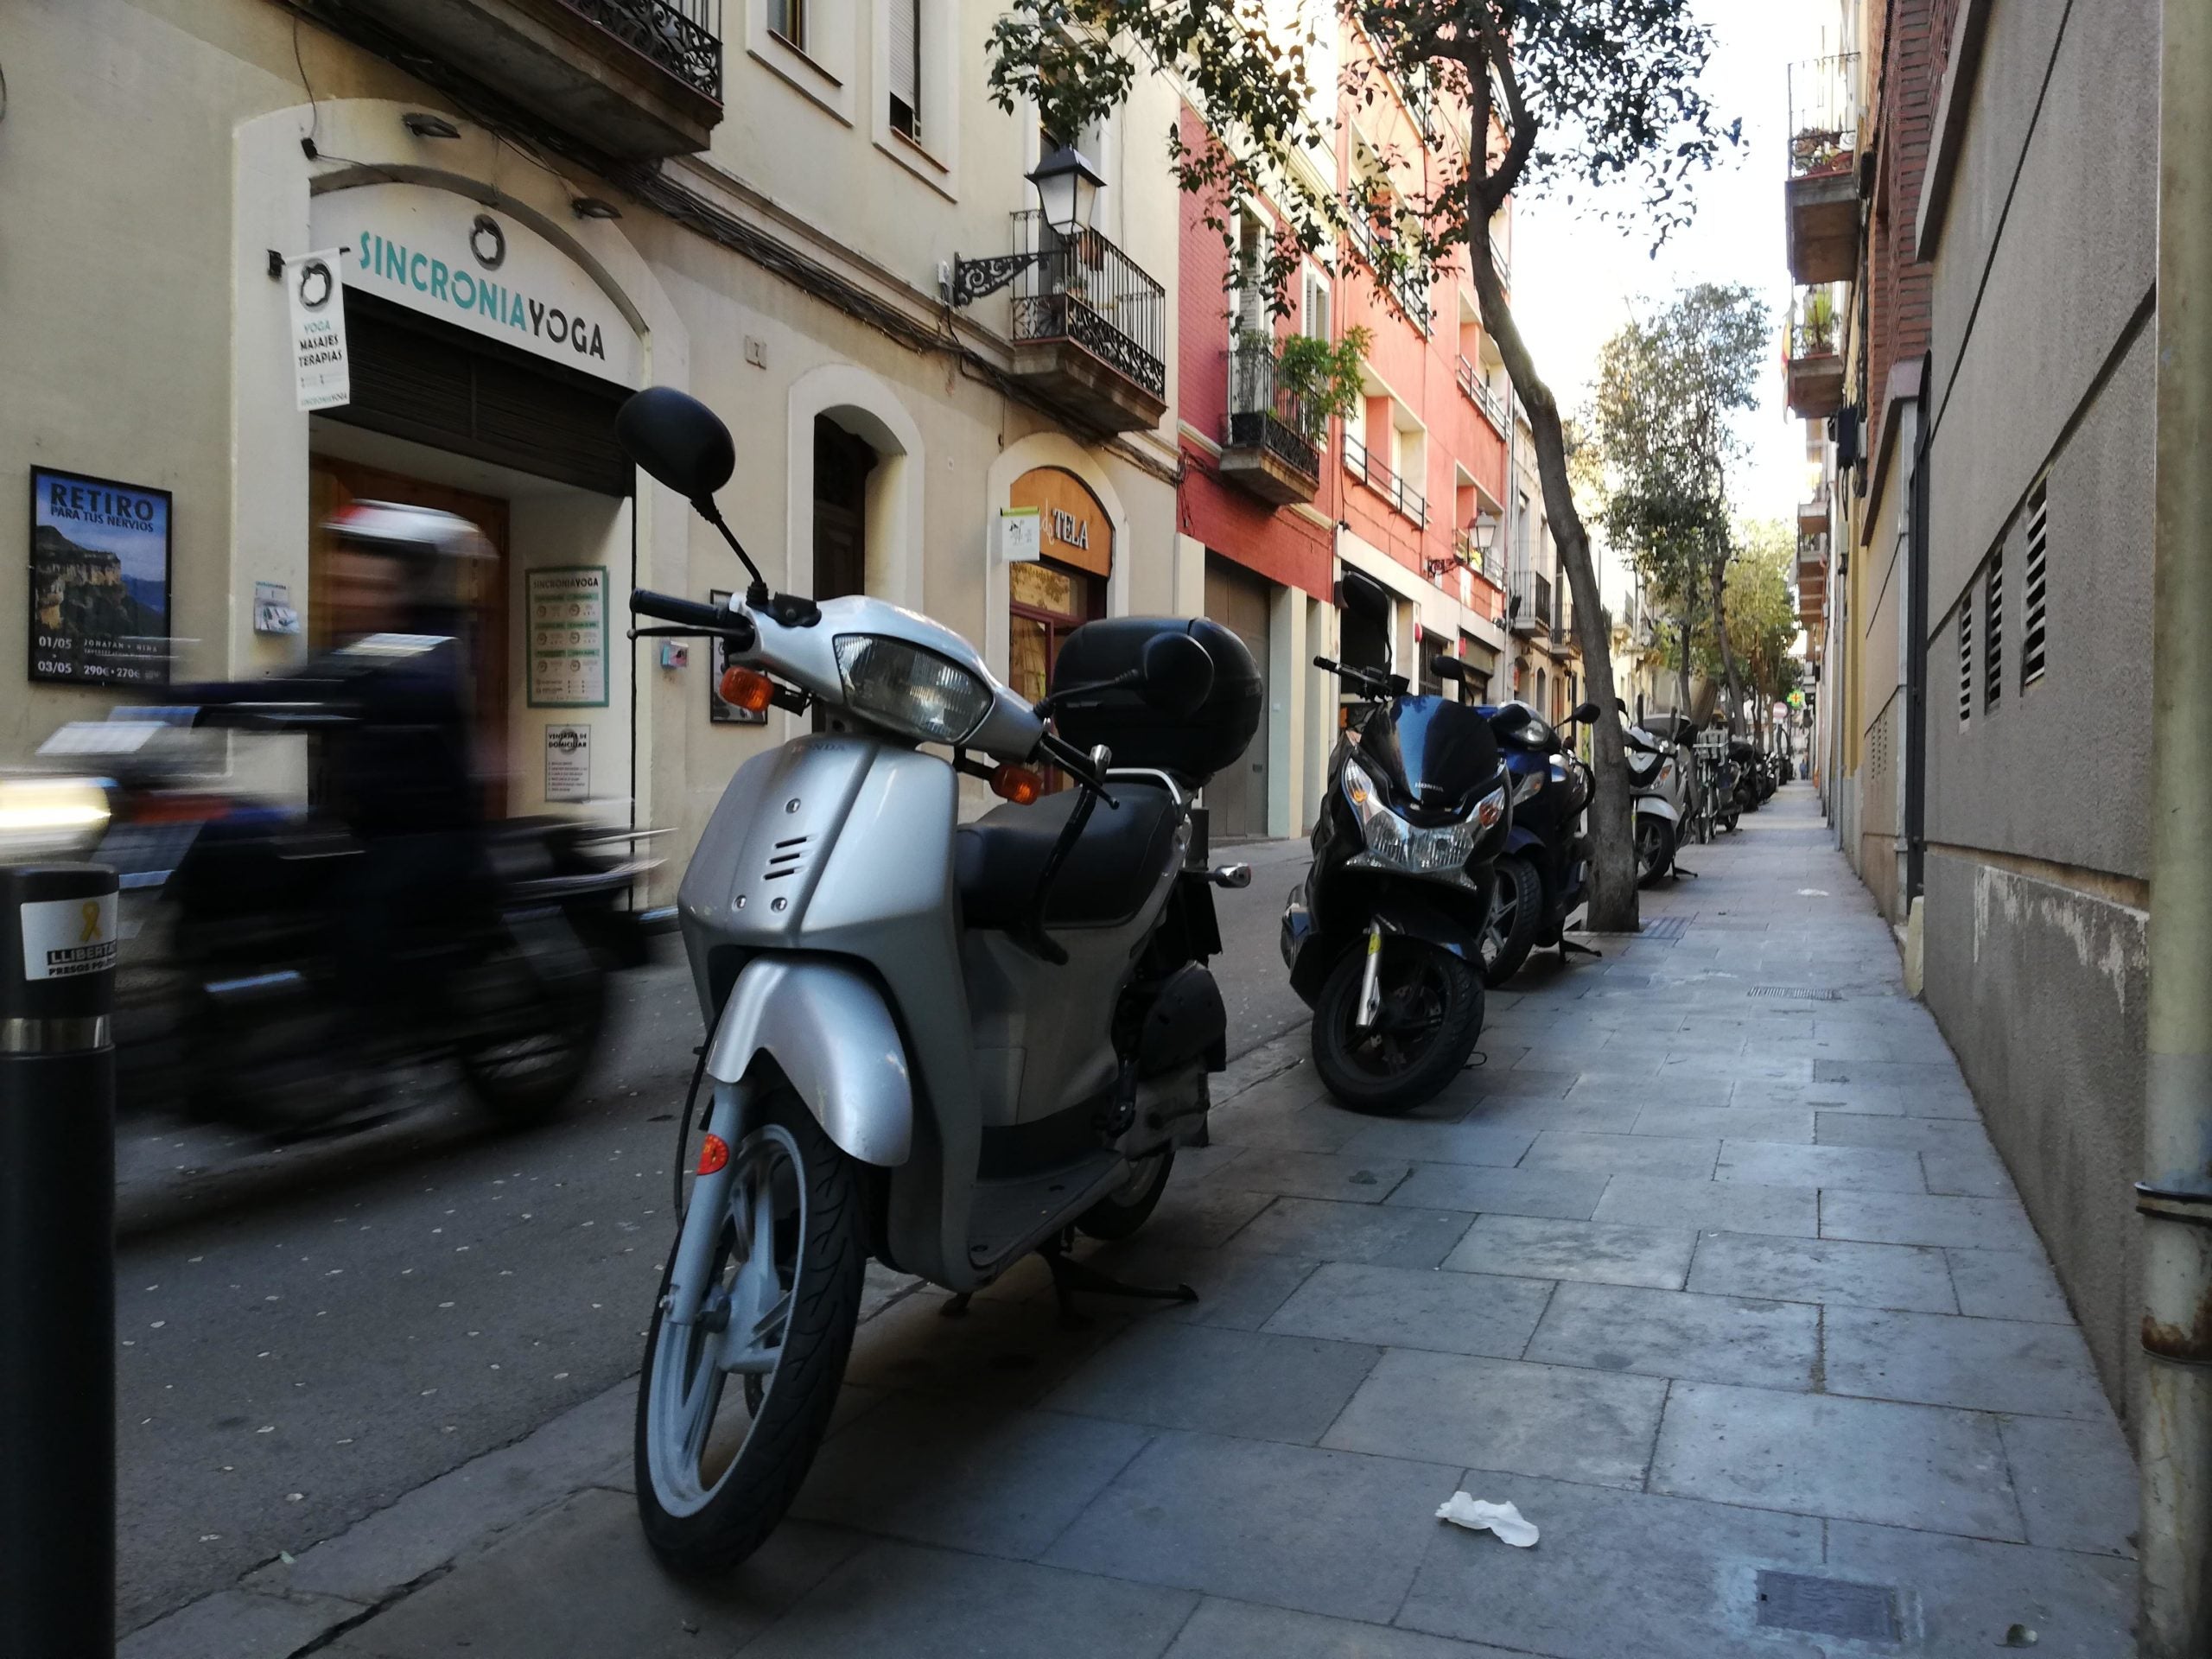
230	1003
1383	938
1542	876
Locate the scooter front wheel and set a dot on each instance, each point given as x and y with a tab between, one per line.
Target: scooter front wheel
717	1465
1431	1014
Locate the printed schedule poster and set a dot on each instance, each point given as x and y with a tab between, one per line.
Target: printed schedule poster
100	581
568	637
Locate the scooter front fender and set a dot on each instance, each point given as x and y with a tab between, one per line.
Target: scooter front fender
1659	807
825	1024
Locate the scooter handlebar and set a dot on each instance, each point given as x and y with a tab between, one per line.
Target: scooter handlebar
691	613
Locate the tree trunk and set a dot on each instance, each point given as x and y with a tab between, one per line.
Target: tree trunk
1689	633
1612	861
1727	655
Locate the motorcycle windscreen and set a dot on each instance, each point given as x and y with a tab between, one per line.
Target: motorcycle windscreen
1438	757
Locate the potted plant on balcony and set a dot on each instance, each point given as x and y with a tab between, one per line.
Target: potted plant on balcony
1816	330
1318	379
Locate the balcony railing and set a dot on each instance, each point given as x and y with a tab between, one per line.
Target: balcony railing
1480	394
1267	449
1084	293
1363	466
1815	353
1372	241
682	36
1501	263
1823	115
1491	566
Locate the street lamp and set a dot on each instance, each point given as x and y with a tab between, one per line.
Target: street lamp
1067	194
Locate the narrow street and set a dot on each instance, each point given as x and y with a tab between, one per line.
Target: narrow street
1708	1269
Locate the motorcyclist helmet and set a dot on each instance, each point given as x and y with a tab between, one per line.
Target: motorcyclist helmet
439	550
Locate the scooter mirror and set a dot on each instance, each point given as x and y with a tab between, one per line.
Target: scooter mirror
1176	675
677	439
1584	715
1448	668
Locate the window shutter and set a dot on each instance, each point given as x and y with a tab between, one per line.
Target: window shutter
1965	656
905	65
2033	637
1992	631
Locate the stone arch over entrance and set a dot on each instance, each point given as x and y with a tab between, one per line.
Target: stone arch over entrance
864	406
1047	449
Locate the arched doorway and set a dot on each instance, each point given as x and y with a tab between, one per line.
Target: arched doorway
1051	596
842	463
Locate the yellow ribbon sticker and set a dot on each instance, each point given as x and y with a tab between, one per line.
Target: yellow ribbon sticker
91	915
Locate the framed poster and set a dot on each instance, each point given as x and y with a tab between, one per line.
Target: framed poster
568	763
568	637
99	612
721	713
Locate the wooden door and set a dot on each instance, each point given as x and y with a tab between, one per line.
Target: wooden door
332	484
1236	796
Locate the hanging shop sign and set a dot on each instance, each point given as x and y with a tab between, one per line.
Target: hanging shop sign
1022	535
100	581
1073	527
316	296
568	637
720	711
568	763
450	258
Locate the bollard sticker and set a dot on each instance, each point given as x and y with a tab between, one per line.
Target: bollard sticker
64	937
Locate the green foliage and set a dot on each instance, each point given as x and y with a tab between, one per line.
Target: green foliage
1321	379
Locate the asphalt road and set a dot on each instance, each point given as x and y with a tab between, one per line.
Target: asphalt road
307	1334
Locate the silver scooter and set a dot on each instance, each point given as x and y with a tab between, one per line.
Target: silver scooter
943	1046
1658	782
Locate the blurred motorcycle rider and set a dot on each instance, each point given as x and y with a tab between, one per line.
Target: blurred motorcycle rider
395	762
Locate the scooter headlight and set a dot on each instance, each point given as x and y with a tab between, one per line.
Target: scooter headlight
51	817
1392	843
1526	787
910	690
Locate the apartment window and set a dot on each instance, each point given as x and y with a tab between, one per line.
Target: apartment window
2033	636
1993	633
788	19
1316	320
1251	295
1965	656
905	65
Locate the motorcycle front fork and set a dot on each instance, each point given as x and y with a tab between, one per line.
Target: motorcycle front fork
1370	979
704	1215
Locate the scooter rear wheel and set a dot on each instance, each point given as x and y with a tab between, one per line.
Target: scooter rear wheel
1515	912
782	1299
1431	1015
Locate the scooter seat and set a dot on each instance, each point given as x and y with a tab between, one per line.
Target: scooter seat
1110	872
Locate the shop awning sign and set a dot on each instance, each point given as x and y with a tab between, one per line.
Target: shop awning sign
317	291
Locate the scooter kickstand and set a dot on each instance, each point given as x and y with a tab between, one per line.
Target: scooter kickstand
1070	1275
1567	946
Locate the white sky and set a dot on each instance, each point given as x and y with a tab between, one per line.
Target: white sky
1575	278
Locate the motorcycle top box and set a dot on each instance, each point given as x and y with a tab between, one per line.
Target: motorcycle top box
1191	746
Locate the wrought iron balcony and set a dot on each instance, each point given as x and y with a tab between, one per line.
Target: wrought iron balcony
1361	463
1822	191
1528	602
1815	354
1373	241
1479	392
635	78
1089	326
1270	448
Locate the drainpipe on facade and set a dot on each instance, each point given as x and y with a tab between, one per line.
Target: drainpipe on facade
2174	1197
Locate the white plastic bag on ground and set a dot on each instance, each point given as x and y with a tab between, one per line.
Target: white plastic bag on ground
1478	1516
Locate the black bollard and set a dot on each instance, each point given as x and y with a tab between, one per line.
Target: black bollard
57	1262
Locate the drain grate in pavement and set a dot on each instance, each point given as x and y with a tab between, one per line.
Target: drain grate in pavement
1665	930
1799	1601
1804	993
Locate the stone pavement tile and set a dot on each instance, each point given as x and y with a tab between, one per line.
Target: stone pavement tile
1007	1351
1968	1594
1242	1630
1238	1286
1823	1270
1546	1081
1596	1091
1415	1307
900	1602
437	1521
1513	1192
1268	1386
1835	1129
1862	1099
1942	1075
1916	1218
1789	1124
1469	1141
1605	1154
1980	1174
1316	1175
1506	1416
1680	1333
2076	1481
1770	1163
1739	1069
1387	1234
1943	1102
1937	1359
238	1624
966	1475
1657	1201
1616	1575
1537	1247
1291	1526
1206	1213
1313	1126
1523	1113
581	1580
1921	1466
2008	1285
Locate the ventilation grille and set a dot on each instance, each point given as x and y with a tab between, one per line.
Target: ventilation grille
788	858
2032	635
1966	656
1993	633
